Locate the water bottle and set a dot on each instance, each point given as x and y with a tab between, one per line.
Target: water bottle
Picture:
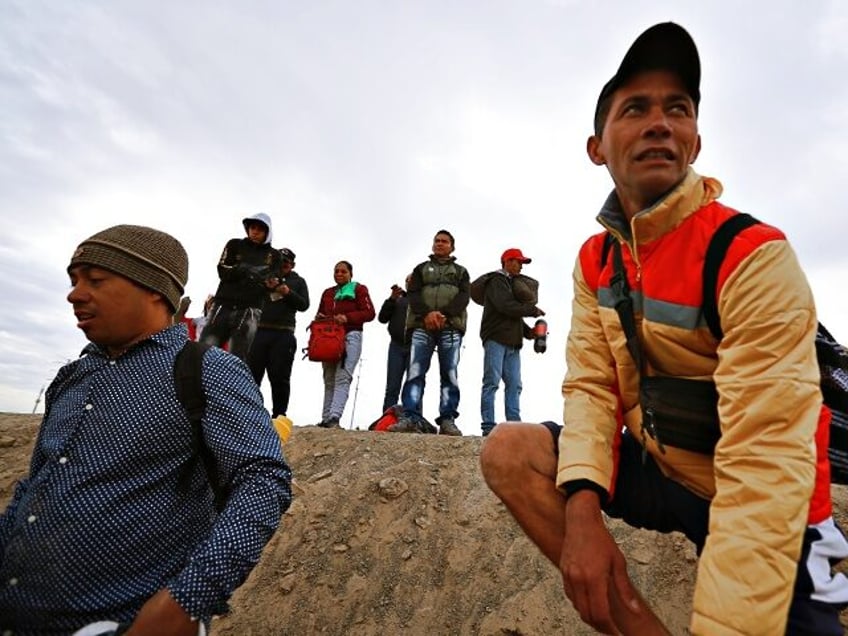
540	335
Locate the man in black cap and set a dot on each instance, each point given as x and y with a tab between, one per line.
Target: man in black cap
275	344
116	520
740	466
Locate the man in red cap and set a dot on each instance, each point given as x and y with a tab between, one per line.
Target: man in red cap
508	297
755	501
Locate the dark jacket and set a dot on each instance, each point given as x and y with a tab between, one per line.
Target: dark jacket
439	285
393	312
279	311
503	312
244	267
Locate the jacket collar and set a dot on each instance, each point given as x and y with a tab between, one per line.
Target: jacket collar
689	195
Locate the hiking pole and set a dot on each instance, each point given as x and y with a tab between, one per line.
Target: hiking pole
356	393
38	399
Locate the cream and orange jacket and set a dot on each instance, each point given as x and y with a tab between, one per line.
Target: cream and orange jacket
769	474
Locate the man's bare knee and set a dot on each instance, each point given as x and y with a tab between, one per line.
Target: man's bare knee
512	449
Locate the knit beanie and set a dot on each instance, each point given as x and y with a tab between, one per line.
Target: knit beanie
151	258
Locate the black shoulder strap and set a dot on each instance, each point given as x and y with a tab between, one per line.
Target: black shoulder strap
624	304
609	239
716	251
188	377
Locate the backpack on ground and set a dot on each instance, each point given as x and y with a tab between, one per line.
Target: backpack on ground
326	341
388	418
188	378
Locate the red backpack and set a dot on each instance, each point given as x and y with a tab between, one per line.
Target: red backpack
388	418
326	341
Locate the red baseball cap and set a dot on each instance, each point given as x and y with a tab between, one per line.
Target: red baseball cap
514	252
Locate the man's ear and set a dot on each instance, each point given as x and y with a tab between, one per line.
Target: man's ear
696	150
593	149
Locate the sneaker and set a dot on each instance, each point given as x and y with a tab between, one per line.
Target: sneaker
447	427
487	427
333	422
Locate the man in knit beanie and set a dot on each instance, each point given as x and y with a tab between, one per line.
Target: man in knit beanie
116	521
151	258
128	280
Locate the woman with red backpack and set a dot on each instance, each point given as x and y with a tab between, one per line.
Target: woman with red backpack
348	304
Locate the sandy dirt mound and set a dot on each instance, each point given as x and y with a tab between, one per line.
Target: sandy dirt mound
398	534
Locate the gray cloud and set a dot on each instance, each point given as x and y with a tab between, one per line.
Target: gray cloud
364	127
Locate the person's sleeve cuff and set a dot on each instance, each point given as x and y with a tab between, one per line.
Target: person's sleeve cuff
575	486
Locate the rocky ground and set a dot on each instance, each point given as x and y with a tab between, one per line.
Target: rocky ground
398	534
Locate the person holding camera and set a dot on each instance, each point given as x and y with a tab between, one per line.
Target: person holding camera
246	269
393	314
275	343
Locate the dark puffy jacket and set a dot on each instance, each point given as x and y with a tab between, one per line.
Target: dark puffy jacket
393	312
503	313
244	266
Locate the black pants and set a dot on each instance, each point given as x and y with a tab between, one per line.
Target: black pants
273	350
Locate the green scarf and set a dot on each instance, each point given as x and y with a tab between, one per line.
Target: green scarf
346	291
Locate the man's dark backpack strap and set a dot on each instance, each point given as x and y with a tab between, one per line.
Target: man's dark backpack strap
188	378
624	303
716	251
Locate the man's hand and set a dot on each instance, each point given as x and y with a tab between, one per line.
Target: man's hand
396	292
434	321
340	319
594	571
161	615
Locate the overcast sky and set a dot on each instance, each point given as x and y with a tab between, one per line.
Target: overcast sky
363	127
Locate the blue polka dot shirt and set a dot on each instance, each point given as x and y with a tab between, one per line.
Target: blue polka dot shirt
107	515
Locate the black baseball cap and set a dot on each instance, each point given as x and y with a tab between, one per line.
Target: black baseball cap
287	255
665	46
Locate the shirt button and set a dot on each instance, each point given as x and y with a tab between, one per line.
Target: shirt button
31	519
112	362
13	582
88	407
63	460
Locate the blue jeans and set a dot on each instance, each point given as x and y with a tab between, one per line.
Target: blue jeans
396	363
424	342
500	362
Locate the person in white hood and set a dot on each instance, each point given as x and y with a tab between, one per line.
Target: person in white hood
248	269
